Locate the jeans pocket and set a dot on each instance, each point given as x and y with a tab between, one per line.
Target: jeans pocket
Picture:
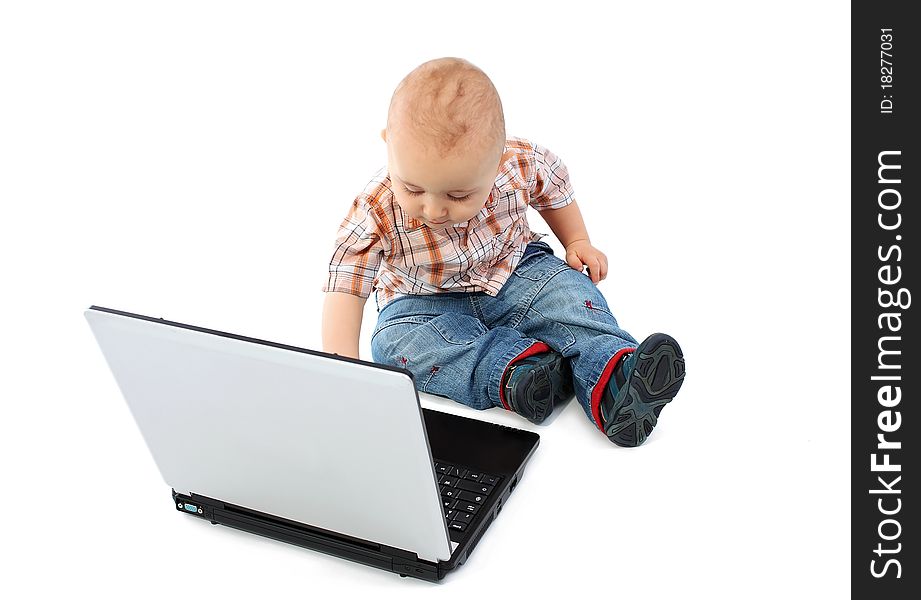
412	319
538	266
458	329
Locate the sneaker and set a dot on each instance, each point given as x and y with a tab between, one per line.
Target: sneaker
532	386
645	382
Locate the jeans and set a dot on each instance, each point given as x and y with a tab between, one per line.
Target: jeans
458	345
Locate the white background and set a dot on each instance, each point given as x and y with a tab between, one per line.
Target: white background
192	160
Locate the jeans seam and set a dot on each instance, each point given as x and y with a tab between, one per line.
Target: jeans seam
477	310
525	304
568	330
602	310
427	381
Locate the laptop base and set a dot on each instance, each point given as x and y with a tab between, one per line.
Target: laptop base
454	439
374	555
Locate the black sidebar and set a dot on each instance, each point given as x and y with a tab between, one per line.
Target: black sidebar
885	371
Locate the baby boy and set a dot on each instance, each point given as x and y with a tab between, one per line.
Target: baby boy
469	299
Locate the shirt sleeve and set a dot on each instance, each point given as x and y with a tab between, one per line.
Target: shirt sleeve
551	187
358	251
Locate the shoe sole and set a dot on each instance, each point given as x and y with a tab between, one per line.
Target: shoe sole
656	378
532	390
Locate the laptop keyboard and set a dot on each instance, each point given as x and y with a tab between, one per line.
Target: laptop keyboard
463	493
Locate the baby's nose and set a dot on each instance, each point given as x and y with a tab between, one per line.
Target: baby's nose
435	213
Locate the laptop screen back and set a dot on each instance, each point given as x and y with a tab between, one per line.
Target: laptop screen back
311	438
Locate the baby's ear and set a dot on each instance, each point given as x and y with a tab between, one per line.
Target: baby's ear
384	134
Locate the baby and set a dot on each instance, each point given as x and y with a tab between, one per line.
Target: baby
469	299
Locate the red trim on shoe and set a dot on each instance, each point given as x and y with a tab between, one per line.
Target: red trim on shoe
535	348
598	390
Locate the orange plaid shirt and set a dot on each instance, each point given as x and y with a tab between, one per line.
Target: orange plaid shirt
378	247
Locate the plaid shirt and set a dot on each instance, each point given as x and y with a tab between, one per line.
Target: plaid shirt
378	247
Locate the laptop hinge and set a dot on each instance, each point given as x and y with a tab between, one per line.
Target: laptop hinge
408	563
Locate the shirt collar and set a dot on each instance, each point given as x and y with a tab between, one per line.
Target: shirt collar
487	209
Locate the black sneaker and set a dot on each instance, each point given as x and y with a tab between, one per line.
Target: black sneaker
532	386
647	380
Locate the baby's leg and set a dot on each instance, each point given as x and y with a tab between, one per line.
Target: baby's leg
449	351
548	300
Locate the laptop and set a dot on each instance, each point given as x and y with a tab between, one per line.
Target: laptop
313	449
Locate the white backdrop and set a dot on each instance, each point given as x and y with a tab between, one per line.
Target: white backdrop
192	160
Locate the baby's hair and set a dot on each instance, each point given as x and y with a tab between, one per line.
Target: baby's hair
450	102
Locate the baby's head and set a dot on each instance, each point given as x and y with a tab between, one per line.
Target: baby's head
445	137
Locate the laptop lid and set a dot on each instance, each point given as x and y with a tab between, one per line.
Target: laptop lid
334	443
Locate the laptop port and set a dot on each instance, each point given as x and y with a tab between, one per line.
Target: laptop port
190	508
514	483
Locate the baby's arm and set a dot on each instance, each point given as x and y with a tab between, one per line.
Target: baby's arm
569	227
342	323
566	223
357	254
552	197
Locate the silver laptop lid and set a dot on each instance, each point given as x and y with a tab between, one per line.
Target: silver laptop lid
325	442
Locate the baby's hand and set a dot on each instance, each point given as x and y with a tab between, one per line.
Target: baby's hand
582	253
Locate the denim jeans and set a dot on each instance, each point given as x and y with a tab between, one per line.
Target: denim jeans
458	345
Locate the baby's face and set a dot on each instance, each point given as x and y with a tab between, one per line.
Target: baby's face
438	191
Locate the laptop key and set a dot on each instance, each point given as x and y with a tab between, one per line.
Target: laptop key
490	479
449	493
448	481
466	506
474	476
472	486
457	525
458	472
449	515
469	496
449	503
462	516
442	468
